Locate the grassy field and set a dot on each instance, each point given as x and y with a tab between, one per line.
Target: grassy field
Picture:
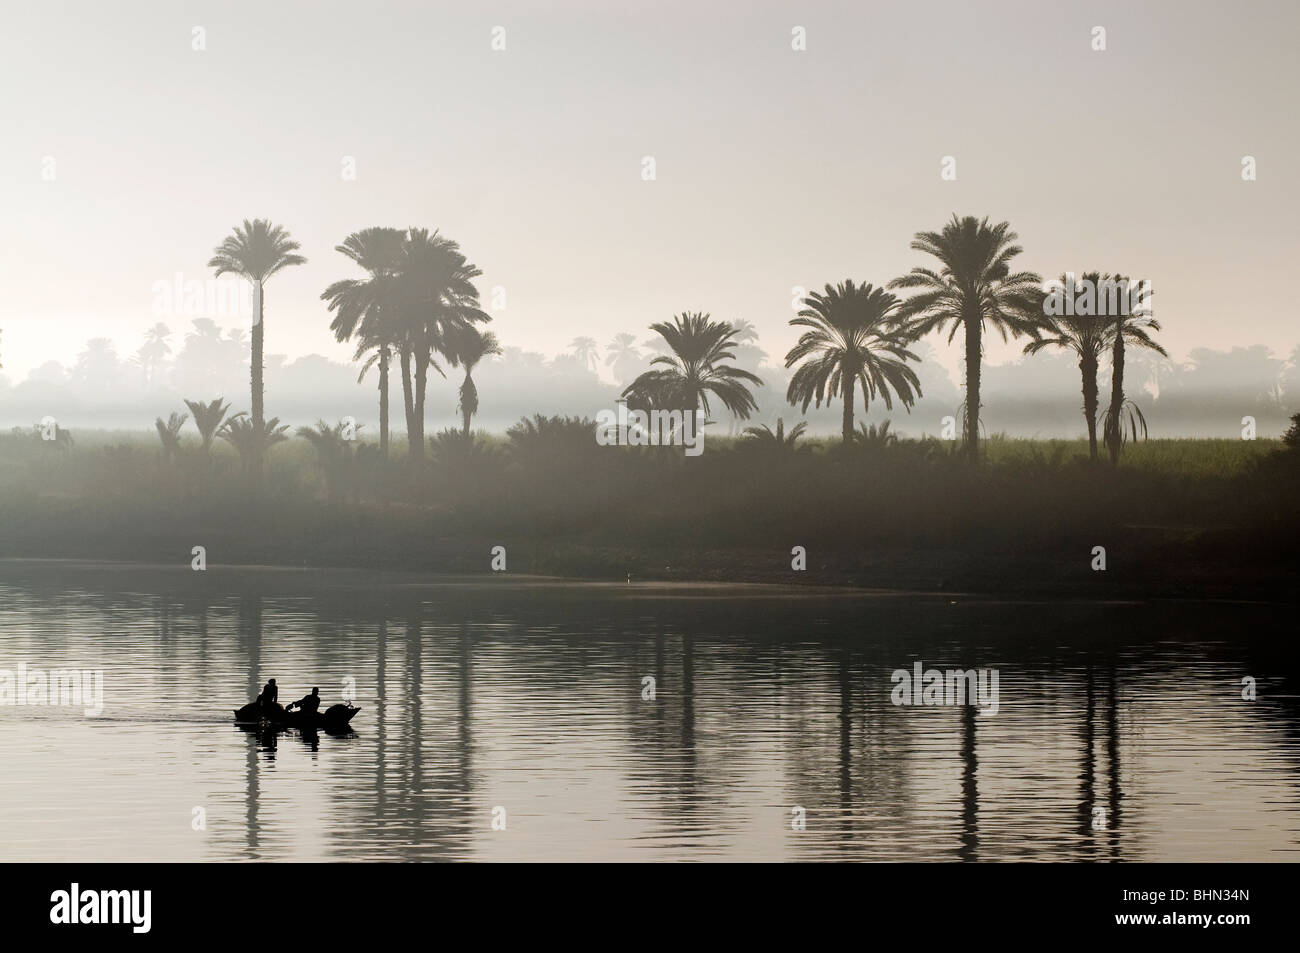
1174	516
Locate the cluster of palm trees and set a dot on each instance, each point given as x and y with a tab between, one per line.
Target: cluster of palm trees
1090	336
415	301
214	420
857	338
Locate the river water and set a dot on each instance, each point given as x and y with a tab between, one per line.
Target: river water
516	719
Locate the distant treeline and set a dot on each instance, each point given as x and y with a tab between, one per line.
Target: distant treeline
412	311
1205	394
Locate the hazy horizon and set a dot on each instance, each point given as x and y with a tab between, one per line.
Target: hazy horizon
775	168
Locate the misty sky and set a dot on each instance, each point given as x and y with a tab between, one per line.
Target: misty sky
775	168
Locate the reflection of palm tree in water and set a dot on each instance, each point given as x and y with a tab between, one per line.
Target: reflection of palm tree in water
689	783
465	674
659	671
1100	823
381	719
421	816
688	699
1112	763
250	635
1088	771
414	795
846	752
969	787
425	819
663	739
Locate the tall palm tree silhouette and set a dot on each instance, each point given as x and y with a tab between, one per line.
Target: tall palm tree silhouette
975	286
746	333
1085	335
1133	328
97	366
853	339
435	300
255	251
695	369
587	351
472	345
365	307
622	356
154	351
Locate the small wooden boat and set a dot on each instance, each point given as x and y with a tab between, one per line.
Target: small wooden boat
334	718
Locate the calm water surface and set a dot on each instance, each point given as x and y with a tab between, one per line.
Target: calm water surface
1121	734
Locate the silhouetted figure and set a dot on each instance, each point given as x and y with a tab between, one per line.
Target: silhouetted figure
309	704
269	695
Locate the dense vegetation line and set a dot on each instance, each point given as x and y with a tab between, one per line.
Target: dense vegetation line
413	307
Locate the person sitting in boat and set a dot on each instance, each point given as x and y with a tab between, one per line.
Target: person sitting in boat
269	695
309	704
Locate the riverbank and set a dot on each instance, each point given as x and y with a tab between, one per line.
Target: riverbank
1140	562
1176	519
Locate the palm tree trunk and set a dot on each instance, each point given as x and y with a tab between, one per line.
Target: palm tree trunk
383	401
974	351
1088	366
465	410
407	399
846	422
1116	399
259	417
417	417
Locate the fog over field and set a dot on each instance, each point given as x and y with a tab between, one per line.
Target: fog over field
124	386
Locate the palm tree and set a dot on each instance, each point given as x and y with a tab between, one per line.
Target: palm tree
779	440
1085	335
365	308
170	434
746	333
334	453
853	340
874	436
975	286
435	300
154	351
1291	439
623	356
652	346
472	345
1131	328
540	442
255	251
587	351
695	369
249	440
97	366
451	447
208	418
